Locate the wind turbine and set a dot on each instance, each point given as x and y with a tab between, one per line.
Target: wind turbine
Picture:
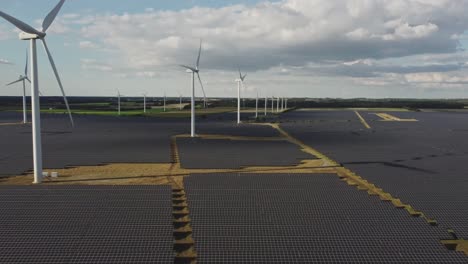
272	104
23	78
277	104
144	102
240	82
256	106
32	34
118	100
193	71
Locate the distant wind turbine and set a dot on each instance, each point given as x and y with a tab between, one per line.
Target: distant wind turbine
32	34
240	83
23	78
193	71
118	100
144	102
272	104
277	104
256	106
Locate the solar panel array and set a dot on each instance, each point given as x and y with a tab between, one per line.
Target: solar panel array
274	218
94	140
229	127
86	224
104	139
422	163
197	153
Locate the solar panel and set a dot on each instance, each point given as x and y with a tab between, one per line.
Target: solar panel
278	218
86	224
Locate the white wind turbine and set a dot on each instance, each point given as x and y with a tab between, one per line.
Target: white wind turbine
23	78
272	104
144	102
277	104
240	82
256	106
118	100
32	34
193	71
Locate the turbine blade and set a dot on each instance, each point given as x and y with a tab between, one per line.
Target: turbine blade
201	84
243	78
27	79
240	74
199	54
26	67
51	16
52	63
21	25
17	81
188	67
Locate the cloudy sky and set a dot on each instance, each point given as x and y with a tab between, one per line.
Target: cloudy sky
307	48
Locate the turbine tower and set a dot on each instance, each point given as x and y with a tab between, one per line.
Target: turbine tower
256	106
193	71
240	82
23	78
277	104
118	101
32	34
272	104
144	103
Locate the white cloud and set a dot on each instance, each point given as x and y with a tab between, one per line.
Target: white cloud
4	61
86	44
92	64
436	77
290	32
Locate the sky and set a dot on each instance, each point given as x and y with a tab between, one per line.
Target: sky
291	48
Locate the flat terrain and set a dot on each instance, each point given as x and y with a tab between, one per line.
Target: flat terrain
341	186
422	162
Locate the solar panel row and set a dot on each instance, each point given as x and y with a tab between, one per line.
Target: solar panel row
277	218
86	224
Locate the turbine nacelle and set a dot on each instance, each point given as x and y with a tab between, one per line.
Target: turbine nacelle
29	36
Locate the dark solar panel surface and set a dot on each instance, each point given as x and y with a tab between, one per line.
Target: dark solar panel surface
422	163
196	153
229	127
105	139
239	218
86	224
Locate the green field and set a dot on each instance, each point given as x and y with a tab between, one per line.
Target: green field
155	112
